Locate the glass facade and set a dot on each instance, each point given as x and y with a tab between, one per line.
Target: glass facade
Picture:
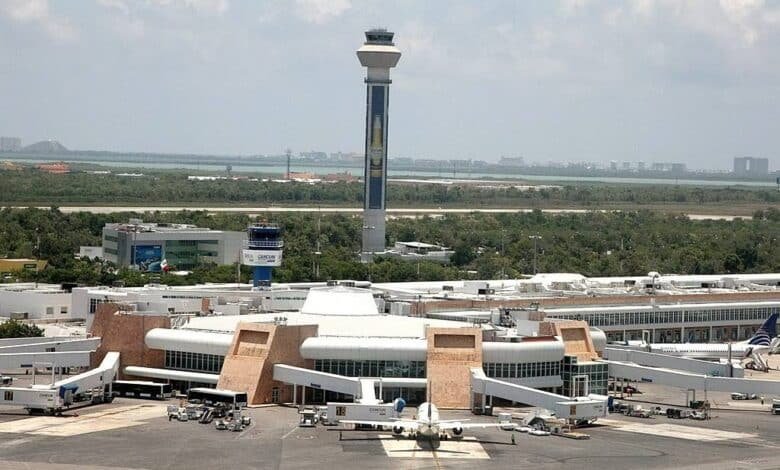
660	317
520	371
188	254
596	373
405	369
196	362
402	369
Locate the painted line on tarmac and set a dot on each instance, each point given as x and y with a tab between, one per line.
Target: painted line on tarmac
291	431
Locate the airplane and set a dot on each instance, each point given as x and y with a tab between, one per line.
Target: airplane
763	341
428	425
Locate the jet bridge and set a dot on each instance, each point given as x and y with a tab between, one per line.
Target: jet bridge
686	364
579	408
688	380
53	398
29	360
318	380
363	388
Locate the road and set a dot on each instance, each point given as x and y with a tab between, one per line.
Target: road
351	210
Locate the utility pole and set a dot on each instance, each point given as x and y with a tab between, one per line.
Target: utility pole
288	152
503	274
37	254
535	238
318	253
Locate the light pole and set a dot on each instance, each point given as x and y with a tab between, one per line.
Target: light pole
503	274
367	255
535	238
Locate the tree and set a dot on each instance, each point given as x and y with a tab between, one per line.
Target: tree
16	329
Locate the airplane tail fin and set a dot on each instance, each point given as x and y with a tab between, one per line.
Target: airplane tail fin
766	333
430	411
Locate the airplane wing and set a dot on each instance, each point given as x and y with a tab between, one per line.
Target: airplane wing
446	425
406	424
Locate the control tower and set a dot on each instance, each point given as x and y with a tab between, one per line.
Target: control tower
378	54
263	252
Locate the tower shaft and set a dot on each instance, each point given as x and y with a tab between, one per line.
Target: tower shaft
378	54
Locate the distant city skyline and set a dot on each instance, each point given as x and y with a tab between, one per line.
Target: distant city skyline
574	80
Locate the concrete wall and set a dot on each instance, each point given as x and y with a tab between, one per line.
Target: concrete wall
452	352
255	349
125	333
35	304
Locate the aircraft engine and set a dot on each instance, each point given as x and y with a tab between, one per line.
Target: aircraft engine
457	430
398	430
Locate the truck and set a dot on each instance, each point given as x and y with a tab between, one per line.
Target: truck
361	412
776	406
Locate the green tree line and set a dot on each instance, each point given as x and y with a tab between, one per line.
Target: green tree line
35	187
486	245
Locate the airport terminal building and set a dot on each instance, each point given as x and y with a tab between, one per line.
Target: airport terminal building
340	331
548	332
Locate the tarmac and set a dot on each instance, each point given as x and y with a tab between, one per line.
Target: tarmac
131	433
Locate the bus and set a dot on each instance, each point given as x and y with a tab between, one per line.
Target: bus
141	389
213	396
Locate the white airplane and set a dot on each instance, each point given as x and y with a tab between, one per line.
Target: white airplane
763	341
428	425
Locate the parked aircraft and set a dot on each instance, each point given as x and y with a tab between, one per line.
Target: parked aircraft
427	425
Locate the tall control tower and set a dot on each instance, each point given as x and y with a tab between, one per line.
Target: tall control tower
378	54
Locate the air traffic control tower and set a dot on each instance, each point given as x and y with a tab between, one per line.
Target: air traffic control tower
263	252
378	54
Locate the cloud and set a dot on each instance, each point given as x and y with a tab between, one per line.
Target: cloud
321	11
37	12
202	7
115	5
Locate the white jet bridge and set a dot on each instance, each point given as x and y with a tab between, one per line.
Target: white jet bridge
363	389
53	398
587	408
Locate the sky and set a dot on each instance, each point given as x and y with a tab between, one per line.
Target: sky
570	80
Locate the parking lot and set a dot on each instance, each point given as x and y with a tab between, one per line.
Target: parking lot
133	433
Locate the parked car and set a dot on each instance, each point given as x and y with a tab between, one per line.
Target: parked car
639	412
698	415
538	432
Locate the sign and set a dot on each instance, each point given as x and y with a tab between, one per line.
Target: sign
147	257
261	257
376	150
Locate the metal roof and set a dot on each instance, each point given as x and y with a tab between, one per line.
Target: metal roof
189	340
364	349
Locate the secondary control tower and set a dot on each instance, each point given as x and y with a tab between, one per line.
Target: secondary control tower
263	252
378	54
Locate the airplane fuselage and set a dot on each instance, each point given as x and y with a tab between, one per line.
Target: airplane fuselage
428	419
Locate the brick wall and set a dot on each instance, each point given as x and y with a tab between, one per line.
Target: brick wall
124	333
452	352
255	349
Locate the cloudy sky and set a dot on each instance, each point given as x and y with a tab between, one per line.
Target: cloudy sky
653	80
